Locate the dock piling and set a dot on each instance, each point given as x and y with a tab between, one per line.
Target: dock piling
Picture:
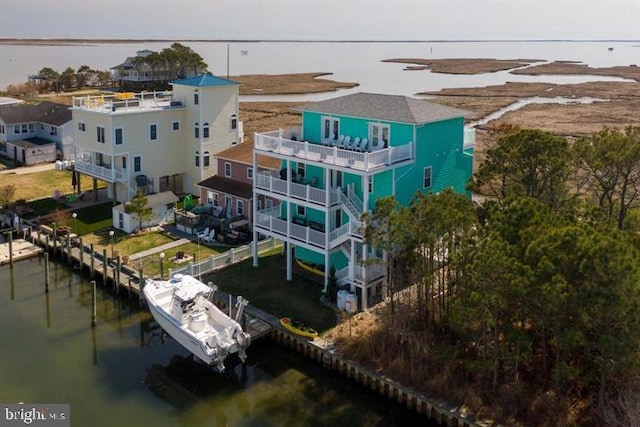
11	249
94	320
46	272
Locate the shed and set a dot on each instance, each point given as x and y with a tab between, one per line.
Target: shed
162	205
31	151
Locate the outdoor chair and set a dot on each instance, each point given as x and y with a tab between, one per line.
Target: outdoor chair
210	237
204	233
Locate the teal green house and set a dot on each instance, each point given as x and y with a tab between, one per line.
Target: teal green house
349	152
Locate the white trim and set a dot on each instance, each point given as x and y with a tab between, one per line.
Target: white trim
250	172
239	207
173	128
228	173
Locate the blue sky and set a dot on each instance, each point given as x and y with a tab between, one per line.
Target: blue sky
324	20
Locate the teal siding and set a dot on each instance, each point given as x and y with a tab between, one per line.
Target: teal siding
382	187
439	145
399	133
338	260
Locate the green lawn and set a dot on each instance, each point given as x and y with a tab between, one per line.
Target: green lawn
266	288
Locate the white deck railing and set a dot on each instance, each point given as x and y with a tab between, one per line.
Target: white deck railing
106	174
364	161
127	102
307	193
269	220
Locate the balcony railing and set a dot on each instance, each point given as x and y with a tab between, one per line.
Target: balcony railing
299	191
331	155
126	102
270	220
367	273
106	174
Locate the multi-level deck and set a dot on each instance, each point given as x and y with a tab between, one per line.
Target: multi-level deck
283	145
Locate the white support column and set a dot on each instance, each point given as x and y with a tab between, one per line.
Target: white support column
254	208
327	270
327	226
288	247
289	261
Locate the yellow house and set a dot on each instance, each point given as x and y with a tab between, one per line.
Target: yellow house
156	141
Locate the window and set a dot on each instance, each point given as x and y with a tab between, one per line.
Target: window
301	210
301	170
205	159
100	133
32	128
124	163
175	126
227	169
197	159
370	182
330	128
379	135
54	131
216	199
210	197
205	130
427	177
99	159
82	127
16	128
1	128
197	131
119	136
269	203
153	132
24	128
137	163
196	99
234	122
239	207
250	172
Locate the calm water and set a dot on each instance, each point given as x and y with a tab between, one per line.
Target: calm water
126	372
354	62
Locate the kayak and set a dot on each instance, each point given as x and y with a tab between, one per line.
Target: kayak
298	328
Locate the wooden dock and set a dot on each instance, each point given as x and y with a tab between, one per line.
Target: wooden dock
120	278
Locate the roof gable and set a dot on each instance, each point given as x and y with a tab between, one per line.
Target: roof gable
392	108
205	80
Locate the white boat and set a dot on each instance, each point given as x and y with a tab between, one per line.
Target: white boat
183	309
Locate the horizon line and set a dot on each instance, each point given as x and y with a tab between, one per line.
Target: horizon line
272	40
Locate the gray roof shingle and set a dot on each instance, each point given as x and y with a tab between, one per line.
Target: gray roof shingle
44	112
391	108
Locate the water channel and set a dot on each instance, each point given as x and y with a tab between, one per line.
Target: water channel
127	372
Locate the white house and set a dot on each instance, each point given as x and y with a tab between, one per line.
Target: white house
39	124
156	141
161	204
